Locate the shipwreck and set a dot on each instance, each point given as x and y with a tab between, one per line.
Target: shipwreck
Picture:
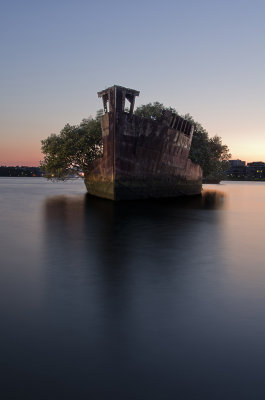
142	158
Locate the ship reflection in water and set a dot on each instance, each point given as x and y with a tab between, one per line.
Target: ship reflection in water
138	231
133	300
134	273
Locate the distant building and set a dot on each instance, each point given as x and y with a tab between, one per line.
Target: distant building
256	170
237	169
237	163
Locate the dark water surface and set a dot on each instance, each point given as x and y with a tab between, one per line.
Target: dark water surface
137	300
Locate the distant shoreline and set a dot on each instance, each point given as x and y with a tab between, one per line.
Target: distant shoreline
23	171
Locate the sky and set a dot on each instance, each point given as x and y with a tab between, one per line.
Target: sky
202	57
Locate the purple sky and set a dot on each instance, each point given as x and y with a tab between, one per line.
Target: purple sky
203	57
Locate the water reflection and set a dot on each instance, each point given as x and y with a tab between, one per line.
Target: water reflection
123	247
116	233
120	243
113	233
131	273
75	208
160	299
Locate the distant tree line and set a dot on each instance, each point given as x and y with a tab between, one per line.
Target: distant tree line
20	171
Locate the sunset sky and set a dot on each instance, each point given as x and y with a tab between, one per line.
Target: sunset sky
203	57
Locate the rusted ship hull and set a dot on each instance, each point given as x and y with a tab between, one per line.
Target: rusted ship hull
142	158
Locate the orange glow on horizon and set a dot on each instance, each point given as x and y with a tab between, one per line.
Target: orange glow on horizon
14	158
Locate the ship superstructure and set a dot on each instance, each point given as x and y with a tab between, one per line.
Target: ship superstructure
142	158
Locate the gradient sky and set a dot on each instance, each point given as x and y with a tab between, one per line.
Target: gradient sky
203	57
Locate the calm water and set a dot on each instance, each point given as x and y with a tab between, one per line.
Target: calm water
139	300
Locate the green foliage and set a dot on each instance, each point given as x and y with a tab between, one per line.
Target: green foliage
73	150
209	153
153	110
